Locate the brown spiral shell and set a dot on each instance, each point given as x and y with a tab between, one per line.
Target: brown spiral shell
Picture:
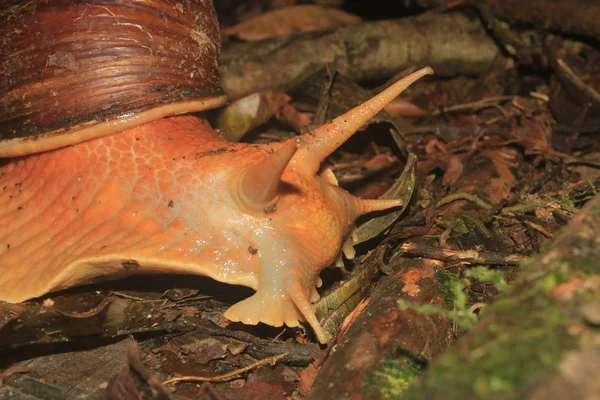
73	70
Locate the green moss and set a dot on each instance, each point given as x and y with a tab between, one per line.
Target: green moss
549	282
565	200
518	360
519	343
514	351
455	301
392	376
445	281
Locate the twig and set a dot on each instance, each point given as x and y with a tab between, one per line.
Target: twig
226	376
476	105
16	369
464	196
507	39
248	67
85	314
538	228
521	207
581	161
464	256
186	300
540	96
136	298
500	118
577	81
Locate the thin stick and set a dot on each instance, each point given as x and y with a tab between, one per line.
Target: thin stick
464	196
476	105
85	314
226	376
462	256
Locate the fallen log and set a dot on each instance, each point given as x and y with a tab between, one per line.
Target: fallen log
541	339
451	43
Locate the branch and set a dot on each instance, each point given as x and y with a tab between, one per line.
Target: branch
451	43
578	17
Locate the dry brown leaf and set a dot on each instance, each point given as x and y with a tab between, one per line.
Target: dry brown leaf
285	21
404	108
533	138
435	146
499	188
453	171
293	118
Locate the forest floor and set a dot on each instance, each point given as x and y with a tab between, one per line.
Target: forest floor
485	285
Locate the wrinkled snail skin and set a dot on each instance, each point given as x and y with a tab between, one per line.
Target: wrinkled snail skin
161	197
172	196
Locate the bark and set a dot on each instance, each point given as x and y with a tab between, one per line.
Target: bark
541	339
578	17
450	43
384	348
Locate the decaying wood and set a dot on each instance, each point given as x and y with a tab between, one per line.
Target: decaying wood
134	381
63	372
541	340
34	324
450	43
578	17
384	346
449	255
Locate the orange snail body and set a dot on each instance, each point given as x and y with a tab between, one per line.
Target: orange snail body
103	177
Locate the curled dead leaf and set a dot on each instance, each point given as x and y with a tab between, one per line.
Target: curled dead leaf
285	21
404	108
402	189
453	171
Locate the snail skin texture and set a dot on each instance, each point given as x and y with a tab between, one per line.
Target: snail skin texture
173	196
108	194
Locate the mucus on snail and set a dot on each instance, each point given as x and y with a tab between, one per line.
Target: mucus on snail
103	169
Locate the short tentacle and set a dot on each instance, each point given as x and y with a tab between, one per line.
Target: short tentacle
259	183
366	206
302	303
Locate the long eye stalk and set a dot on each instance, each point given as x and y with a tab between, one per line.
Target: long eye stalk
323	141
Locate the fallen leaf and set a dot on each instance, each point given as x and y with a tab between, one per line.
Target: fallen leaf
293	118
288	20
499	187
205	350
404	108
453	171
402	189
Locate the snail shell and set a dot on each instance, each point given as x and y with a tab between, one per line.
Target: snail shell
76	70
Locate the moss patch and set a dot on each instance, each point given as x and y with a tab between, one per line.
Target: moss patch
507	354
445	281
392	375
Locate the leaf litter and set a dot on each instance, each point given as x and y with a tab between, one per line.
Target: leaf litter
488	173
